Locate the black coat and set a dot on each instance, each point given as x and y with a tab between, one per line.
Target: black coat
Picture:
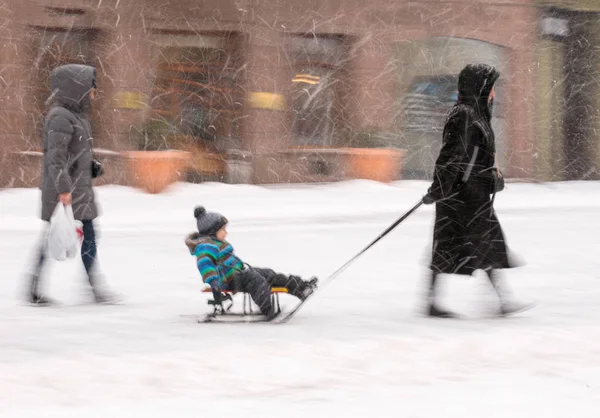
68	150
467	235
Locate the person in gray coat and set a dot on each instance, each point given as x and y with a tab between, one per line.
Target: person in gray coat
69	167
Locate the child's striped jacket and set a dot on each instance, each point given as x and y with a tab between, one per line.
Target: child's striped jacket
215	259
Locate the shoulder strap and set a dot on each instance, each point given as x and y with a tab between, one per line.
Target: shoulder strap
485	129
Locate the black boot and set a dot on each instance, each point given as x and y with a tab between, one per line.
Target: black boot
102	294
105	297
309	288
40	300
34	296
298	287
432	309
435	312
508	305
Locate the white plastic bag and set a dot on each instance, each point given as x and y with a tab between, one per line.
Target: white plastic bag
63	239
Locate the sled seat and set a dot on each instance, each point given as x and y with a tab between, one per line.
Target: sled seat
247	302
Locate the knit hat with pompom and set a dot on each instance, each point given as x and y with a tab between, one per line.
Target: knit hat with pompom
208	223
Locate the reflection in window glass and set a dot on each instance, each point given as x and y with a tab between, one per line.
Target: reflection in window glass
317	62
197	91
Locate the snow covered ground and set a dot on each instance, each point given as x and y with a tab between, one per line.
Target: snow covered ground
360	347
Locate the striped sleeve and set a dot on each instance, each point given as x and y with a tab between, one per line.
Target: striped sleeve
231	264
206	256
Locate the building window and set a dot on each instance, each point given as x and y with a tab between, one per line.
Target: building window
314	91
197	91
428	101
427	72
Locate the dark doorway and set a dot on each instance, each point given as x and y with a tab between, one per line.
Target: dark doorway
577	31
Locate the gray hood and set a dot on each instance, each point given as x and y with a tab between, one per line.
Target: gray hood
71	85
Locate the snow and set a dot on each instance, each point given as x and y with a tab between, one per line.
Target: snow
361	346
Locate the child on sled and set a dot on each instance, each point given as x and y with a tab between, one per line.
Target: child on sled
222	270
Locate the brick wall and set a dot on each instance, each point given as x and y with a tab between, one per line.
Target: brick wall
368	87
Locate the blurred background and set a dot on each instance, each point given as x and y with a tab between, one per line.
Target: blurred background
271	92
285	91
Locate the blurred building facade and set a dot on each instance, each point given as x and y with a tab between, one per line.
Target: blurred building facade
289	82
568	112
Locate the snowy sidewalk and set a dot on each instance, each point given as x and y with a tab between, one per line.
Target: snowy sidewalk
245	205
360	347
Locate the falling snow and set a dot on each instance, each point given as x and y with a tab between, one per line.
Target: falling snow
292	94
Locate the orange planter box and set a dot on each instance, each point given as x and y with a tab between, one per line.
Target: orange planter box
154	171
378	164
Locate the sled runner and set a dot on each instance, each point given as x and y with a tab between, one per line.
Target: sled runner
222	313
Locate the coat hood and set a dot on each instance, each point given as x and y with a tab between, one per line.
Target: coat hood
475	82
193	239
71	85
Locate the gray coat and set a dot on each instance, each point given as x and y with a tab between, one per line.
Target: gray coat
68	150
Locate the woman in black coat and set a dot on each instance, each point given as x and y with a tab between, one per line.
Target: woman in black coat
467	235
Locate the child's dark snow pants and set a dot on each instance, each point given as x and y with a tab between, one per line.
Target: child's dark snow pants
258	283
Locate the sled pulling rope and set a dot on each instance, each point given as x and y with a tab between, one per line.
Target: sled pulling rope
289	315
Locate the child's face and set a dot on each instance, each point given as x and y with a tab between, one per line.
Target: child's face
222	233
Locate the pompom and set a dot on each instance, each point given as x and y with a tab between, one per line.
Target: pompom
199	211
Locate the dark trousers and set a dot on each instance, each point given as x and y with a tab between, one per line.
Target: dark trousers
258	283
88	255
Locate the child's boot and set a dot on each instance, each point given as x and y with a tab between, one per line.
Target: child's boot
309	288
